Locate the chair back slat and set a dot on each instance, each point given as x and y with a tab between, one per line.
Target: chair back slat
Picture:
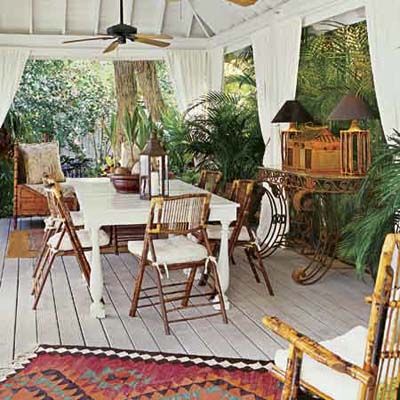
241	193
382	356
179	215
210	180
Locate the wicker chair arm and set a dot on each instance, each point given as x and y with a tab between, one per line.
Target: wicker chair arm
317	352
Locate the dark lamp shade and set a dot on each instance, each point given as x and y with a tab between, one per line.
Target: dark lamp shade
292	111
350	108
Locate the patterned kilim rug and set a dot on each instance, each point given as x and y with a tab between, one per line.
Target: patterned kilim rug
73	373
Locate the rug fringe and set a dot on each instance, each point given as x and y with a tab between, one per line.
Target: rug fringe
20	362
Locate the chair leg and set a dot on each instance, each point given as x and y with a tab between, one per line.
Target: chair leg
41	279
42	253
137	290
251	263
114	235
84	266
204	276
162	301
189	286
219	291
203	279
261	267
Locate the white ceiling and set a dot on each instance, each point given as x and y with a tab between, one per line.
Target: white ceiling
42	24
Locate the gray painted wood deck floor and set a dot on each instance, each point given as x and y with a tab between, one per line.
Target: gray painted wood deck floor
324	310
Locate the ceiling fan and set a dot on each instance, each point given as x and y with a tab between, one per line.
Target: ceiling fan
123	32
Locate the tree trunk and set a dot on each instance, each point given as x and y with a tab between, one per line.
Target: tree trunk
126	93
147	80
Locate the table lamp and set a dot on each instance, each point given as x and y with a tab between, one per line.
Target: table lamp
355	150
293	113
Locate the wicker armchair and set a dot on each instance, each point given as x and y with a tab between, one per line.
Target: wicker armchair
29	202
363	363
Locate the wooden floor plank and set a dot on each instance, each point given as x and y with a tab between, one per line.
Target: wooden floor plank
92	329
137	330
70	329
5	227
26	335
204	328
150	316
46	316
8	310
332	306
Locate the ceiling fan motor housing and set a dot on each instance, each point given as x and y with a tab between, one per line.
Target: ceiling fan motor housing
121	30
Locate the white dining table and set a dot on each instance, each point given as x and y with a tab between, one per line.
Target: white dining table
102	205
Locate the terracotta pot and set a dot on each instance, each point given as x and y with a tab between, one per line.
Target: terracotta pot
125	183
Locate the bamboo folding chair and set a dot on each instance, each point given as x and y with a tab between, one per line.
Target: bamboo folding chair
62	238
53	222
364	363
169	245
241	234
210	180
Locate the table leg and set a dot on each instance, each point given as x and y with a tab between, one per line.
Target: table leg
223	262
97	309
324	255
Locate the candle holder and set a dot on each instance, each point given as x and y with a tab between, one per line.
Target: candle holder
153	170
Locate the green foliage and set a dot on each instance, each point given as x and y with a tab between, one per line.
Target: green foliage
137	126
226	135
65	100
176	138
333	64
377	204
111	136
6	187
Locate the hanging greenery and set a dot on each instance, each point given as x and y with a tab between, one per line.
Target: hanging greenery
377	204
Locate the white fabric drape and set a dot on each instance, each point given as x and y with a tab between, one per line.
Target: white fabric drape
276	58
276	52
194	73
384	41
12	64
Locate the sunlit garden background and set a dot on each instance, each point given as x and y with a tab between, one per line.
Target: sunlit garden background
78	103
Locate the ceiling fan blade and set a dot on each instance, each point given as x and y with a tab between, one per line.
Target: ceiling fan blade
151	42
161	36
113	46
244	3
88	39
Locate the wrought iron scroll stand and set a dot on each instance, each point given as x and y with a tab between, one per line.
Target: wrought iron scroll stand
285	184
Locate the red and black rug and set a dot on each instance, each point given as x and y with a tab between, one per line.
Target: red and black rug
55	372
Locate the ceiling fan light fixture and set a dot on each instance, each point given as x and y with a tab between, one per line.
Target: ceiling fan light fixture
122	32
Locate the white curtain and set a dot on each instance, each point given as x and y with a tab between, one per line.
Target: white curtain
194	73
12	64
276	58
384	40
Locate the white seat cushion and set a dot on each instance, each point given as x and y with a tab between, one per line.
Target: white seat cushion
351	347
77	218
174	250
83	236
214	233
